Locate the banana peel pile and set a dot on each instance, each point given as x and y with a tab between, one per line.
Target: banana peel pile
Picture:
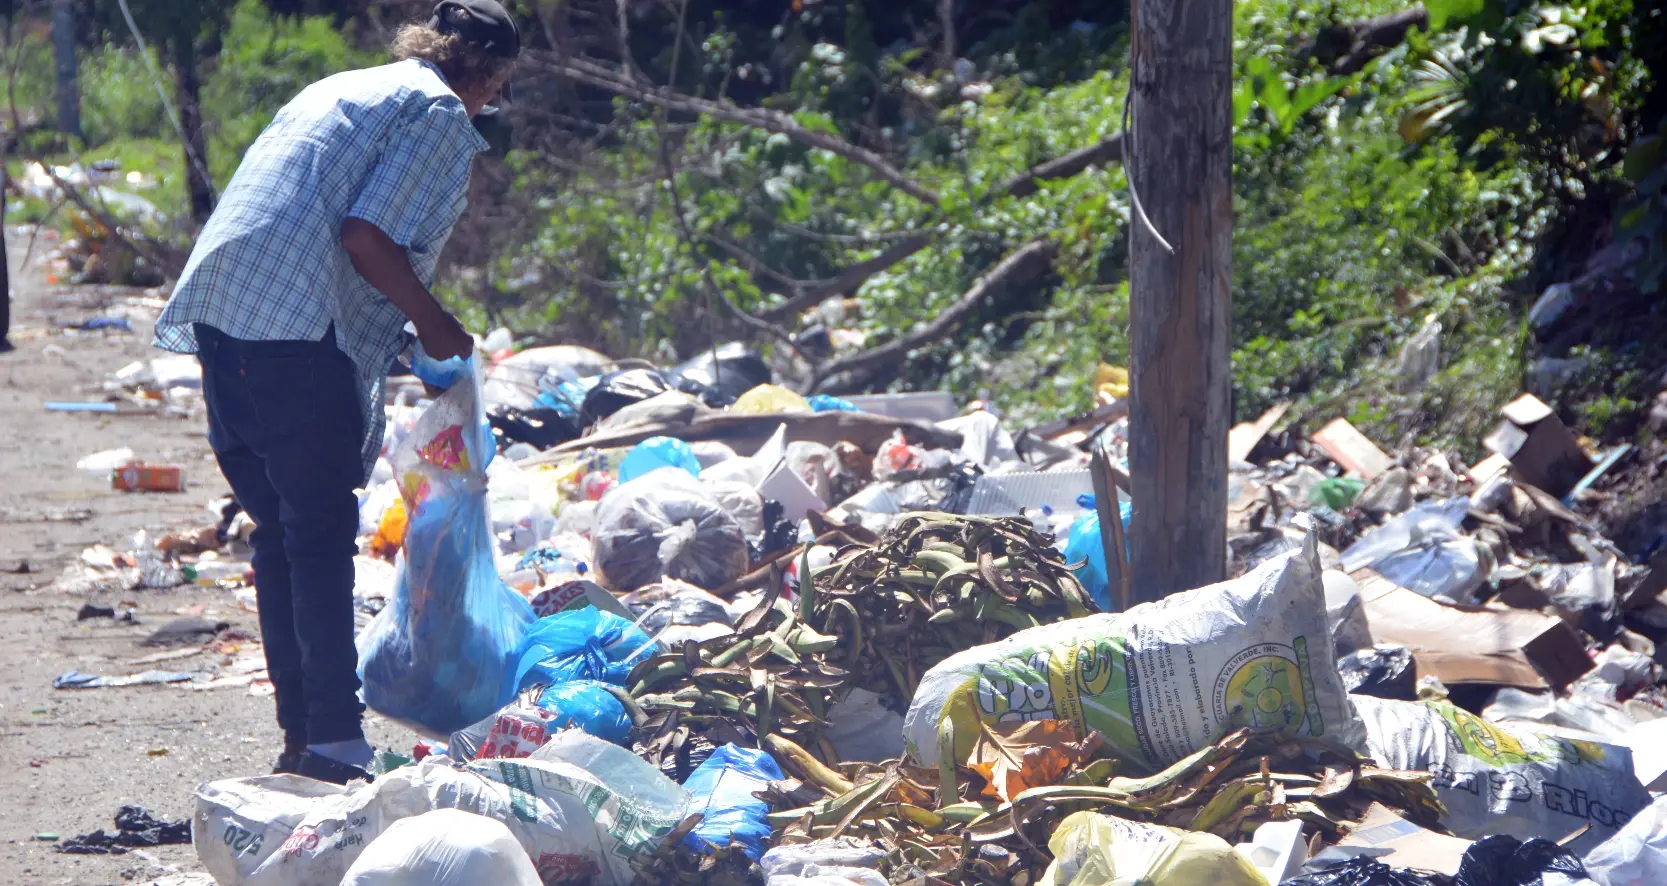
988	822
877	616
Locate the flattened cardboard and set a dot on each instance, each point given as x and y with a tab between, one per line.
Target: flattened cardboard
1350	448
1244	437
1399	843
1492	645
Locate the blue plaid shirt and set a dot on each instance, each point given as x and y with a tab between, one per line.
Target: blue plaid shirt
390	145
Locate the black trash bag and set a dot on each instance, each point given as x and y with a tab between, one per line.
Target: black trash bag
960	482
1384	671
616	390
1366	871
682	609
779	532
540	428
1503	860
739	369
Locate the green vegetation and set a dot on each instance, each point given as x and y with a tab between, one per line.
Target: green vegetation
1451	177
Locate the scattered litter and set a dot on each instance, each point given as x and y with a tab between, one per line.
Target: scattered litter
135	827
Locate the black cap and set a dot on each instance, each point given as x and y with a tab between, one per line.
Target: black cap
484	23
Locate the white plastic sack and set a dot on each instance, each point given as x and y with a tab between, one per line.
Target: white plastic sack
1637	854
573	816
1502	778
1159	681
742	502
841	861
446	847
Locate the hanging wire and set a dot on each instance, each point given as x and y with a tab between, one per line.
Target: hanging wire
1129	140
162	92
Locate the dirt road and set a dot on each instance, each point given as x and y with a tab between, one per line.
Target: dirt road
70	758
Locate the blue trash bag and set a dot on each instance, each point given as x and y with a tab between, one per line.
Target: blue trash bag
588	705
579	644
722	790
435	658
1083	545
830	403
655	453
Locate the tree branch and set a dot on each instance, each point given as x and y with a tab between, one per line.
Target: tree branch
600	77
1347	48
1024	262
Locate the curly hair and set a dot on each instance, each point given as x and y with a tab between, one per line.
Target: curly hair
462	67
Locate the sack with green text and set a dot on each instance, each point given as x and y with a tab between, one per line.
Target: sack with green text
1498	778
1159	681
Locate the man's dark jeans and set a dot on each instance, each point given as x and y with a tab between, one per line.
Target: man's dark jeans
285	423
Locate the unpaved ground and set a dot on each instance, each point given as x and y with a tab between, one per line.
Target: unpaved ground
69	758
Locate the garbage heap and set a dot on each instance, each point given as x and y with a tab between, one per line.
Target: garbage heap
687	626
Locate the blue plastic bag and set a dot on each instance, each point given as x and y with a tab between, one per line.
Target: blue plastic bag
830	403
1083	544
579	644
588	705
722	790
655	453
435	658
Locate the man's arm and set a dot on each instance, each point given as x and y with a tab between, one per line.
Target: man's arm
384	264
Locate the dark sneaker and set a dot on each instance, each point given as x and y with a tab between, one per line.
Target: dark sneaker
322	768
289	762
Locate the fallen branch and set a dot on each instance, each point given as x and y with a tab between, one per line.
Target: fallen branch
601	77
1106	151
1026	261
1346	49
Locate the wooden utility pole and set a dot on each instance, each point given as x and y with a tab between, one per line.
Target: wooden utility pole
64	67
1179	160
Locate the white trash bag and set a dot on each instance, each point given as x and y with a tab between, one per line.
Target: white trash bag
446	847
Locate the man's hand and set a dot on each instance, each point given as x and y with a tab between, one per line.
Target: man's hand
443	337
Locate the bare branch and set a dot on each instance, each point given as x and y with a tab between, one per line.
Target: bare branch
601	77
1102	153
1026	261
1347	48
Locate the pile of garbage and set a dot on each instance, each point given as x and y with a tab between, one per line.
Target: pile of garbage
687	626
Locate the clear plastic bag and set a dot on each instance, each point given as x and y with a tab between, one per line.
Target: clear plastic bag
435	657
666	524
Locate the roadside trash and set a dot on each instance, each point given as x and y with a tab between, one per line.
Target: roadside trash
1637	854
616	390
671	603
446	847
1336	493
666	524
1091	849
1552	304
1542	450
135	828
1382	671
1421	550
722	791
579	644
1502	860
1352	450
189	630
78	680
1499	778
838	861
655	453
1258	645
1420	357
523	725
435	657
1083	545
1387	837
148	478
102	464
767	398
1364	871
828	403
722	374
1276	849
576	809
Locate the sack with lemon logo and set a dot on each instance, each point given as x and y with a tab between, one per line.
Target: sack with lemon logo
1159	681
1505	779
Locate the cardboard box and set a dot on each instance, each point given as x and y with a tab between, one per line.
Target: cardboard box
1492	645
1350	448
1399	843
1542	450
